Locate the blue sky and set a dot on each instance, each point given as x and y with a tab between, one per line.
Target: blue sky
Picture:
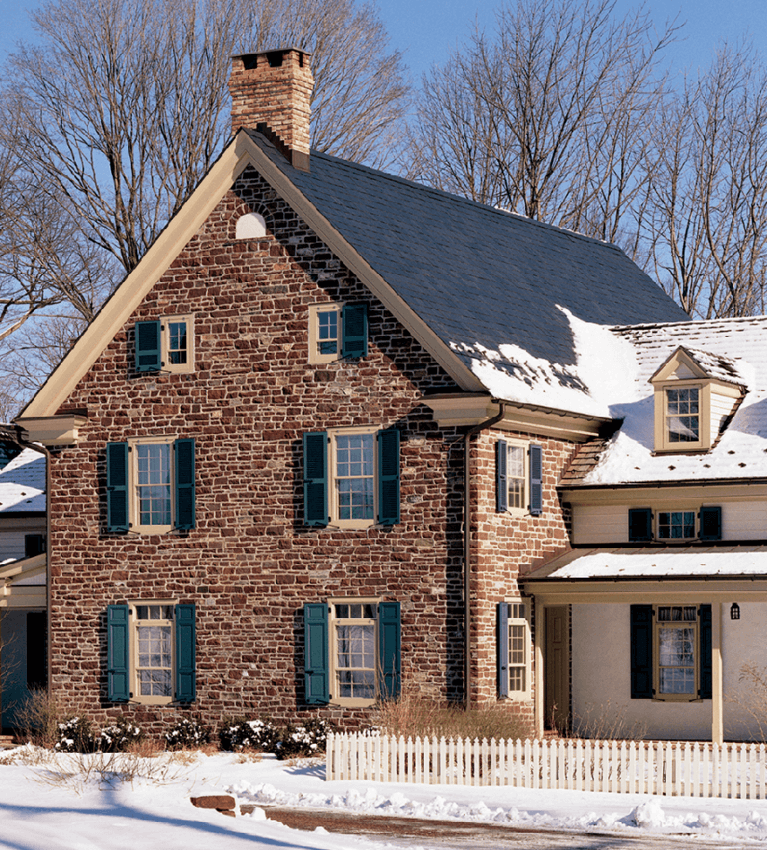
426	30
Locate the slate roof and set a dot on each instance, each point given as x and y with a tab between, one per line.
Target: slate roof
22	483
478	276
736	345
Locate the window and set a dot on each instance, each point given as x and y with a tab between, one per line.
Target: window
351	651
682	415
513	651
150	485
34	544
671	652
337	332
351	477
519	472
675	525
151	652
166	345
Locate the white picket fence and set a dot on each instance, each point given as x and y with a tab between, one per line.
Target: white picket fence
627	767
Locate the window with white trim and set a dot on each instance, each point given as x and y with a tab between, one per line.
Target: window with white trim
513	651
676	632
682	415
165	345
519	477
337	332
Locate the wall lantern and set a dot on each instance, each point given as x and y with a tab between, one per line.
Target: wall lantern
735	611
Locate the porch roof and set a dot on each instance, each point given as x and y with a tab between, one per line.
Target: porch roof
670	562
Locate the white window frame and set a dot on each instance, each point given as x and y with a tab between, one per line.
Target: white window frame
165	337
134	514
315	311
668	416
519	622
333	495
333	622
135	624
658	627
524	509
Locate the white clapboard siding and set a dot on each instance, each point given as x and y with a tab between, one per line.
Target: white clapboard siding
664	768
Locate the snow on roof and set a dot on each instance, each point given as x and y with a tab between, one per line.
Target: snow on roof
669	562
737	346
22	483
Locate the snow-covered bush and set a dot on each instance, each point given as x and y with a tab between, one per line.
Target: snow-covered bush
75	735
119	736
307	739
238	735
187	734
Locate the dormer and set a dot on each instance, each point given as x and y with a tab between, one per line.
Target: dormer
696	395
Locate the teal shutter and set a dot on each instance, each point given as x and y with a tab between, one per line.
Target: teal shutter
354	329
501	481
117	487
316	478
389	649
148	353
503	650
705	689
316	658
118	658
536	479
641	652
710	523
183	451
640	524
185	653
388	477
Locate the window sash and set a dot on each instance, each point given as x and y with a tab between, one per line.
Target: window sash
516	472
327	332
154	651
355	476
153	485
354	658
177	342
683	415
676	525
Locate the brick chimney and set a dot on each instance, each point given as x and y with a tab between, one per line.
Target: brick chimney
271	93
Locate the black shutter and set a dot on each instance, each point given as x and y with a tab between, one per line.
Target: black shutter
148	353
503	650
316	478
117	487
37	652
641	652
536	479
710	523
640	524
705	689
388	477
185	489
501	480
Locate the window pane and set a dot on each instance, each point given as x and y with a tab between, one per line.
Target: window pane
153	488
676	525
154	662
327	332
676	653
177	348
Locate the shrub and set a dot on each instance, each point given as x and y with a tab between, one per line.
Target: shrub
187	734
119	737
238	735
75	735
39	719
307	739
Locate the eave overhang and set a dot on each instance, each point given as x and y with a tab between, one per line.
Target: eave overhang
717	488
468	409
62	430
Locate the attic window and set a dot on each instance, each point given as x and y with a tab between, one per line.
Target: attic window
251	226
683	415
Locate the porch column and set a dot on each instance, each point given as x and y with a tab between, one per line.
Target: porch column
717	678
540	679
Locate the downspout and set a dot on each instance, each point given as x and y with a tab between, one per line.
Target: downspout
467	546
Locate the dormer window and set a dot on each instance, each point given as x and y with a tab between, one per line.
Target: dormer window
696	395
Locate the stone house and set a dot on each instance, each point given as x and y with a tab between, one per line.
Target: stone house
302	456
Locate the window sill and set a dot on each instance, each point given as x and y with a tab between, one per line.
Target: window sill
350	702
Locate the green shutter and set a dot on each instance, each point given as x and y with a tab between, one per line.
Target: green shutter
388	477
118	659
641	652
185	489
536	479
501	480
148	354
640	524
710	523
503	650
354	325
117	487
316	478
389	649
316	658
185	653
705	652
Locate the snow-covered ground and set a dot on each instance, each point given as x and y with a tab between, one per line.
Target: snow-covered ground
50	805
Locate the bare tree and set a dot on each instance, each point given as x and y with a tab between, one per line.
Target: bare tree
548	116
112	120
708	190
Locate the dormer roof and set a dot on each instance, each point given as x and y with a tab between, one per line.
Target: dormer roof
687	363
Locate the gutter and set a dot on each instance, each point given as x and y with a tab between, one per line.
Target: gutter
467	545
